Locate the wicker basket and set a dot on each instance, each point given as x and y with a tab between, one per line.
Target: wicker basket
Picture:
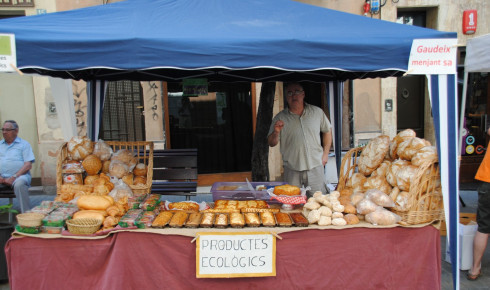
30	219
425	204
83	226
141	149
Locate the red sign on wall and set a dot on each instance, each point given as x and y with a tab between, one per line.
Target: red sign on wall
469	21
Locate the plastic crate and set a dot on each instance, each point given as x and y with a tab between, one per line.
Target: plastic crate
242	191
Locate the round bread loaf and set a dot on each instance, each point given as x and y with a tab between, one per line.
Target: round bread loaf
373	154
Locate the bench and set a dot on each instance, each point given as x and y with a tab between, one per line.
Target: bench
175	172
10	194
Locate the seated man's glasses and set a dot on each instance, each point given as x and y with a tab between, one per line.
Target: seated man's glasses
294	93
7	130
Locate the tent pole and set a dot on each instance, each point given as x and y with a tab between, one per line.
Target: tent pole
461	119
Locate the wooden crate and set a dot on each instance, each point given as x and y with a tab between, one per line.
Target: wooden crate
141	149
425	198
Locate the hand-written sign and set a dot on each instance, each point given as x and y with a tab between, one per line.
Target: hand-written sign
433	56
243	254
8	59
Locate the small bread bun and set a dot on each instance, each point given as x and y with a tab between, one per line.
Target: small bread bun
140	169
139	180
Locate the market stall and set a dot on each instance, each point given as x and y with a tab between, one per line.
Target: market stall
235	41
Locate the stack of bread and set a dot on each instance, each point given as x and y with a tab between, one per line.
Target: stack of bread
328	209
92	171
390	168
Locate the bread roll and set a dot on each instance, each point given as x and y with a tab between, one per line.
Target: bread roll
351	219
377	182
424	155
128	179
366	206
314	216
348	191
92	164
126	157
89	180
405	176
380	198
139	180
140	169
287	190
382	169
105	166
103	150
382	217
90	214
403	201
395	166
118	169
373	154
357	197
79	147
356	182
407	149
399	138
350	208
339	222
325	221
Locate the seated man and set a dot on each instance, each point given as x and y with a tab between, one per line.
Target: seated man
16	160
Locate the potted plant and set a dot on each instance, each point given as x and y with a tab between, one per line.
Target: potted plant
6	229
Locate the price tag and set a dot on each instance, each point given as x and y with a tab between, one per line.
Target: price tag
244	254
8	57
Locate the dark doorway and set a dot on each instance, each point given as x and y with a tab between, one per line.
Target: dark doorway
218	124
410	92
122	116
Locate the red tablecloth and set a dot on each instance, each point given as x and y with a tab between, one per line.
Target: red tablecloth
358	258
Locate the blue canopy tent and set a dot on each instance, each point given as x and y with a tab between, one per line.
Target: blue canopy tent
235	40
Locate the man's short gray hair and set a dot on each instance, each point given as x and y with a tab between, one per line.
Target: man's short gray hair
14	124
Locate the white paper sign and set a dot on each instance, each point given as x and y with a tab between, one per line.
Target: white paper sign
243	254
8	57
433	56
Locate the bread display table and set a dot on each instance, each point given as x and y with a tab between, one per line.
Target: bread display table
352	258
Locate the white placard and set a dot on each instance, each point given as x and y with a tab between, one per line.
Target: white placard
227	254
433	56
8	57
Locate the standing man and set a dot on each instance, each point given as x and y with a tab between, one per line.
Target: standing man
482	216
16	160
298	127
